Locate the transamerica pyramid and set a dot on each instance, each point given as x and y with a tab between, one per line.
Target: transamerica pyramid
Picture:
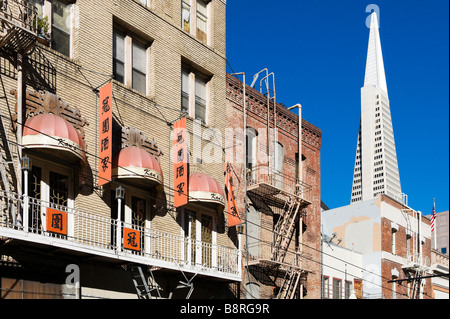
376	168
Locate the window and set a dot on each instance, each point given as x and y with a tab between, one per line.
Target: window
186	16
358	288
200	236
325	287
337	288
200	99
119	56
202	19
279	156
59	15
185	91
251	150
194	18
393	231
52	185
139	66
130	61
348	289
194	95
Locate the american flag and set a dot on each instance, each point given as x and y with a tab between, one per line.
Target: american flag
433	216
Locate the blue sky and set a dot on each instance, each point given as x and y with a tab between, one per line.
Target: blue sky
317	51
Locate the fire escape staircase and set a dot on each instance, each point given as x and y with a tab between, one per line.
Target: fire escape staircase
144	287
18	35
292	206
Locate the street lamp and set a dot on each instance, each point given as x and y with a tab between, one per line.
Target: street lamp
26	168
120	195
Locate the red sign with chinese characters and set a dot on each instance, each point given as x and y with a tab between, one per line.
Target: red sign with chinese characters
180	153
131	239
56	221
105	135
233	214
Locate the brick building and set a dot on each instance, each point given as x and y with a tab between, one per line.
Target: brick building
60	217
282	221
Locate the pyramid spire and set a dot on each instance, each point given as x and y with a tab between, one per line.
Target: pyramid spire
375	75
376	168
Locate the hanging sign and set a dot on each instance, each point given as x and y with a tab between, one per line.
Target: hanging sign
56	221
181	173
105	135
233	214
131	239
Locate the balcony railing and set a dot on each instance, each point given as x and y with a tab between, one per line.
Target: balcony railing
95	234
263	174
19	12
266	254
18	25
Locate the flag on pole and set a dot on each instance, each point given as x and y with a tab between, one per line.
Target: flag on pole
433	216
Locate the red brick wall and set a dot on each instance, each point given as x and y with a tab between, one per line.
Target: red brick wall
287	124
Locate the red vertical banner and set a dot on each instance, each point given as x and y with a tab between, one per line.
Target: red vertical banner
233	214
181	173
105	135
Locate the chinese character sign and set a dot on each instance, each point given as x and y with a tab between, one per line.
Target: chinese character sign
131	239
105	135
181	191
233	214
56	221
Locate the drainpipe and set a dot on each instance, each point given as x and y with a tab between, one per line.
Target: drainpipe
19	131
300	173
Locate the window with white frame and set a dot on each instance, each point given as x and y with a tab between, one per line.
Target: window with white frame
200	235
59	15
194	18
194	94
325	287
130	61
49	185
337	288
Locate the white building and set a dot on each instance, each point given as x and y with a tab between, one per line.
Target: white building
342	271
376	168
395	243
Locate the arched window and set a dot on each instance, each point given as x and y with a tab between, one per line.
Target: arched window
251	138
278	165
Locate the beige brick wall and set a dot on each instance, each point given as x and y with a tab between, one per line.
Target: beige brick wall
91	67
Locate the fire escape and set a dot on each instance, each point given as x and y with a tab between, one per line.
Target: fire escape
285	199
18	35
417	265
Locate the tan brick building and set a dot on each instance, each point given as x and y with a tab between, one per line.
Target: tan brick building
164	59
282	219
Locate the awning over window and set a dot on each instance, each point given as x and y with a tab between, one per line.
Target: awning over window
138	165
50	133
204	188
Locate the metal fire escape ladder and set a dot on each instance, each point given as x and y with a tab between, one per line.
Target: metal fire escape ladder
140	283
290	284
285	229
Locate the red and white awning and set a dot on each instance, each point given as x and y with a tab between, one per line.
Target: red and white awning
204	188
136	164
51	133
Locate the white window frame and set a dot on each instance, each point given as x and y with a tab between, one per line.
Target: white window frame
128	59
47	11
192	94
46	167
193	16
185	233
